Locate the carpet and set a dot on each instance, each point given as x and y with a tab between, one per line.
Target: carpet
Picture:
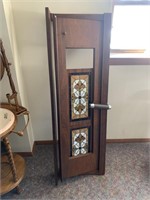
127	176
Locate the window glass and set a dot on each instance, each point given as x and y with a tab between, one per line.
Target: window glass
79	58
131	27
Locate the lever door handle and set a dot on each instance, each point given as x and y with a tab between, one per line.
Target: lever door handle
100	106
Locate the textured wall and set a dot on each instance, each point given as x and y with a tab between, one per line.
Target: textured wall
129	95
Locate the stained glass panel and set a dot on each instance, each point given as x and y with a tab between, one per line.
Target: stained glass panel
79	96
79	141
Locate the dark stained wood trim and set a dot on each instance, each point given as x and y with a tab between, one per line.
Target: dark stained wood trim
39	142
44	142
97	17
108	141
28	154
52	89
56	56
51	73
129	61
126	140
104	92
25	154
129	140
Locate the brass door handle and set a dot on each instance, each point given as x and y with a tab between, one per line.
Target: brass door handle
100	106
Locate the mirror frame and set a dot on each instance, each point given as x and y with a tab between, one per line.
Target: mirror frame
2	68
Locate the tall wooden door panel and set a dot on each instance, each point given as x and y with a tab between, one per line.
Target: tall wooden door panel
81	81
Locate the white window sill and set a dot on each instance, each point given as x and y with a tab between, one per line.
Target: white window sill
129	59
129	55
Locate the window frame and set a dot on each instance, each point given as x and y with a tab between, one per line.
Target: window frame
128	60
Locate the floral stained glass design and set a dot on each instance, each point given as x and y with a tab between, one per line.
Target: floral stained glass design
80	141
79	96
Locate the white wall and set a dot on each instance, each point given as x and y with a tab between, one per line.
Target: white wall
129	95
29	18
4	84
8	36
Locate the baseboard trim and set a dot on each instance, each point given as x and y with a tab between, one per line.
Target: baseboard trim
129	140
126	140
25	154
44	142
50	142
40	142
28	154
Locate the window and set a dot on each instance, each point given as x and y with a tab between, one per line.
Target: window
130	35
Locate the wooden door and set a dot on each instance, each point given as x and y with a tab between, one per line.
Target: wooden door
81	86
